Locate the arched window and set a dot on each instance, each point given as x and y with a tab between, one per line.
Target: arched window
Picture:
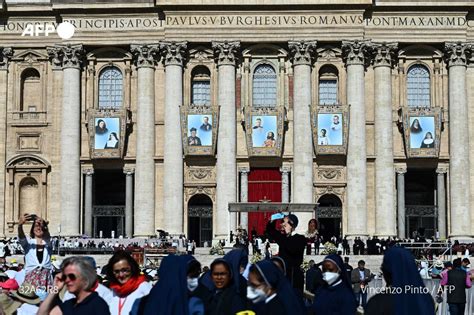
418	86
110	87
30	90
201	86
328	79
264	86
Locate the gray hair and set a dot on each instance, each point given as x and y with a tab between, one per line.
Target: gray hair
85	270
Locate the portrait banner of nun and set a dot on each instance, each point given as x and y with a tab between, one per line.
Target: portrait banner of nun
107	133
422	132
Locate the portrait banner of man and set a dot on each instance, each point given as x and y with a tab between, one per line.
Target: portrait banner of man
330	124
199	130
264	131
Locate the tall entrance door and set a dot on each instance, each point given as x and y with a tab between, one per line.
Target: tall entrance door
329	216
200	220
108	212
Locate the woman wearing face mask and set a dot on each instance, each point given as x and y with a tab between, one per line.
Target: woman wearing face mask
173	293
337	297
404	293
270	291
224	298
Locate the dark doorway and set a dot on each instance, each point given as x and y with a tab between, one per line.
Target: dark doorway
420	206
200	220
329	216
109	203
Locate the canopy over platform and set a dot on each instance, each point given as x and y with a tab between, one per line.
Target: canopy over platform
271	207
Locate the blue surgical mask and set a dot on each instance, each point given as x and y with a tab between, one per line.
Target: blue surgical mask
255	295
192	284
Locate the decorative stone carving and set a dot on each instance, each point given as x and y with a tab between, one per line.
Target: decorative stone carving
174	53
356	52
442	169
384	54
66	56
89	171
400	169
5	54
302	52
331	174
324	190
457	54
200	174
145	55
191	191
226	52
129	170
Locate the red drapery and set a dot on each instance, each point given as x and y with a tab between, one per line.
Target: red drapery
263	183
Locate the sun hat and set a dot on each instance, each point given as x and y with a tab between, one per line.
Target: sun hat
26	293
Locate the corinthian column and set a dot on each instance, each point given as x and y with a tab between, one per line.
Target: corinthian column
5	55
69	57
173	57
456	58
302	56
226	57
145	61
244	196
355	57
385	211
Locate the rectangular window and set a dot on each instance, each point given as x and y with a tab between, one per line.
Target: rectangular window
327	92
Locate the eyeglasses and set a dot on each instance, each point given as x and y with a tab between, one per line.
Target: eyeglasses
124	271
71	277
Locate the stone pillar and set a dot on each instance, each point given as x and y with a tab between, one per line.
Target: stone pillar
174	55
226	167
354	53
285	184
302	55
244	197
5	55
145	61
89	173
129	201
385	210
70	58
441	201
456	58
401	201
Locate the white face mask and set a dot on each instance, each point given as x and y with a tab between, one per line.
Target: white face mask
255	295
330	277
192	284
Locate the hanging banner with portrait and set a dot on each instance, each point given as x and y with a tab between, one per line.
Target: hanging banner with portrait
264	128
107	132
422	130
330	124
199	124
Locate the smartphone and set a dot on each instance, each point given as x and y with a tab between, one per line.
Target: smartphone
32	217
277	216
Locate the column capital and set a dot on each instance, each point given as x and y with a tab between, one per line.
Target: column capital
457	54
244	169
129	170
384	54
400	170
302	52
88	171
66	56
285	169
225	52
442	170
5	55
174	53
145	56
356	52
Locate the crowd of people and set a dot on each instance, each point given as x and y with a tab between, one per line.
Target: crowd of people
231	284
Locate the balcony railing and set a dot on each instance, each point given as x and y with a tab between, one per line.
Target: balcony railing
27	118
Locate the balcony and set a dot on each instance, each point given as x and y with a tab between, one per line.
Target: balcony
30	118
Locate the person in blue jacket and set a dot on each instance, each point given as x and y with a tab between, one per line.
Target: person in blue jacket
336	296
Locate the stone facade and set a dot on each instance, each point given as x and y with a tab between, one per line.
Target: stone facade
50	92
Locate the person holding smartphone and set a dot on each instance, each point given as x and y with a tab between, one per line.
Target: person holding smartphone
38	250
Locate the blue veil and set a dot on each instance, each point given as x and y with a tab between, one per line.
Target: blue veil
399	263
170	294
236	258
285	292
